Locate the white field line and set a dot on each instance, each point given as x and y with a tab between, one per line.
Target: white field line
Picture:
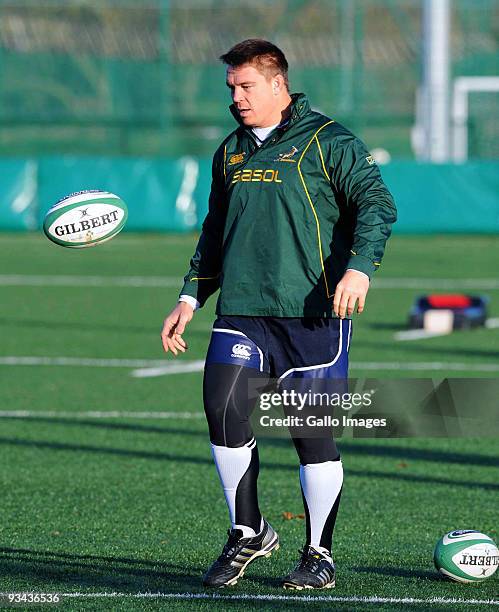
300	598
165	370
96	414
178	367
438	284
23	280
417	334
30	280
124	239
174	368
381	366
430	365
152	367
421	334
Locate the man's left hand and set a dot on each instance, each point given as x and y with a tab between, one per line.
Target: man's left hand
352	287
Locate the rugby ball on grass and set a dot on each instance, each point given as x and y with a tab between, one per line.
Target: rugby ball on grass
85	218
466	556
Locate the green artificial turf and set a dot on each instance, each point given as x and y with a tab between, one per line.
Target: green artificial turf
133	505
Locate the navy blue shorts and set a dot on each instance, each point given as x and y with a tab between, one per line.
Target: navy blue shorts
283	347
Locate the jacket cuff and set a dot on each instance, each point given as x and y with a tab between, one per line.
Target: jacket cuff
188	299
358	272
190	288
363	264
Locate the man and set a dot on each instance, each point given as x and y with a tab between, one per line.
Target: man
297	223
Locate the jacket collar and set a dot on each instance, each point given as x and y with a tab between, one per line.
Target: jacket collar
300	107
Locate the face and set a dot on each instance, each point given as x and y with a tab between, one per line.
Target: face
256	98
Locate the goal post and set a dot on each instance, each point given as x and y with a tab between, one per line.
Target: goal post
463	86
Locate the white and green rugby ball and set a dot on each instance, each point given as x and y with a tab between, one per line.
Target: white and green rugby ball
466	556
85	218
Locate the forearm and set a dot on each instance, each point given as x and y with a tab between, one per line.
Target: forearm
203	277
357	181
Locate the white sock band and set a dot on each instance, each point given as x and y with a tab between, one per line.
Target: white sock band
232	464
321	484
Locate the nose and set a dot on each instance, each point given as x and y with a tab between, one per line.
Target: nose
237	94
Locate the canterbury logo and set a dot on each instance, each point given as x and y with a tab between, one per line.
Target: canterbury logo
286	157
255	176
237	158
370	160
241	351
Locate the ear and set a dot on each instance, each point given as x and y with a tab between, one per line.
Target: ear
277	83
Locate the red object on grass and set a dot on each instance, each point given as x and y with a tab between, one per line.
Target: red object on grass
449	301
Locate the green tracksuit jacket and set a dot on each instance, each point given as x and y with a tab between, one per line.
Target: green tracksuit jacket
288	218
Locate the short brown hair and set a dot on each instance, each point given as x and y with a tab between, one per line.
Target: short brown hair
262	54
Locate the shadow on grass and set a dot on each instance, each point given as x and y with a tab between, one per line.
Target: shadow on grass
419	454
357	448
424	347
160	456
60	571
385	325
101	450
401	572
85	573
103	424
70	570
416	478
92	327
400	452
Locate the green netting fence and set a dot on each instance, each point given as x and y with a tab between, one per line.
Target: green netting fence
109	77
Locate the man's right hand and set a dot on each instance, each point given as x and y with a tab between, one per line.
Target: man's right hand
174	327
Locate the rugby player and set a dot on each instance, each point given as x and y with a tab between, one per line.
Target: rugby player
297	225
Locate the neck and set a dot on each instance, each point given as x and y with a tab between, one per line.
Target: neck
281	114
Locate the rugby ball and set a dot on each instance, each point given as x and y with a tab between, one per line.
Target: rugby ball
85	218
466	556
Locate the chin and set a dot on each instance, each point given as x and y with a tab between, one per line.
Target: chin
248	120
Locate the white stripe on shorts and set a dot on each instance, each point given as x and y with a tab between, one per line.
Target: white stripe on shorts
320	365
